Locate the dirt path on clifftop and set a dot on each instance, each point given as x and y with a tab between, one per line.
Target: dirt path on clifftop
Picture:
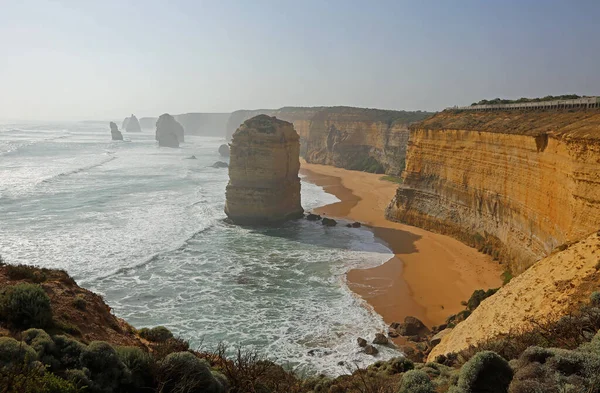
430	274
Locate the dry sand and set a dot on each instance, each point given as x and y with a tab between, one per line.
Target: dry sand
429	276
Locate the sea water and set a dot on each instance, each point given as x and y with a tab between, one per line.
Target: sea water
144	227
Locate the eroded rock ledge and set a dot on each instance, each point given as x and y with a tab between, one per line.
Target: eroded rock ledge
264	186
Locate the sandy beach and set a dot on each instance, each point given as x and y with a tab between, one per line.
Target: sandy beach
430	274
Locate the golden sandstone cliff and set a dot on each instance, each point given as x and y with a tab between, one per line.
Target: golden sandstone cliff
264	186
363	139
514	184
521	186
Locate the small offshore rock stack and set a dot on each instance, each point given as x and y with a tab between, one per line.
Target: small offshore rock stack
169	133
132	124
264	187
224	150
115	133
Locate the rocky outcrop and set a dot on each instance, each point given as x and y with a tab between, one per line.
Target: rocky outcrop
131	124
169	133
264	186
115	133
514	184
353	138
224	150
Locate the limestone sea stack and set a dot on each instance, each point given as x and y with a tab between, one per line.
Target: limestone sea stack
115	133
264	187
168	131
224	150
132	124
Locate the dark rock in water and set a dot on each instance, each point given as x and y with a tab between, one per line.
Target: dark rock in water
380	339
361	342
313	217
371	350
169	133
220	164
224	150
132	124
393	333
115	133
356	224
191	158
329	222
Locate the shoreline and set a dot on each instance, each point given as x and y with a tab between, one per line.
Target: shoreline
429	275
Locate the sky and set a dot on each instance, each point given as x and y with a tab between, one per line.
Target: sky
97	60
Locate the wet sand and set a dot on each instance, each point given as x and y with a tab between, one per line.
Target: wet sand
430	274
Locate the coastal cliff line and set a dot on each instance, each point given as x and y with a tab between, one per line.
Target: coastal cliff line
516	185
371	140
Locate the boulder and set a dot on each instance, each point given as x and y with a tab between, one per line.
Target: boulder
132	124
435	340
412	354
169	133
220	164
371	350
191	157
411	327
115	133
380	339
224	150
264	187
328	222
313	217
361	342
356	224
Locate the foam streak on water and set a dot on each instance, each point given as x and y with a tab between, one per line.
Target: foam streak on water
144	226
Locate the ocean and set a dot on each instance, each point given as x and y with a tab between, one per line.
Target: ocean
144	227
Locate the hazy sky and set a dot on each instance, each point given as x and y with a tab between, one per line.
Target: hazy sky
104	59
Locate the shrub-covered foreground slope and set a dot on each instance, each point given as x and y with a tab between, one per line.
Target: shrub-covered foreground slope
58	337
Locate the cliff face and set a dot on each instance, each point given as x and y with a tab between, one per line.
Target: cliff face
352	138
264	186
169	133
514	184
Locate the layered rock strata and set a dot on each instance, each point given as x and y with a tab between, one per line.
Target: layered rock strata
115	133
363	139
514	184
169	133
264	186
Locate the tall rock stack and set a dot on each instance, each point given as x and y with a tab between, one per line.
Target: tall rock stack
169	133
264	187
132	125
115	133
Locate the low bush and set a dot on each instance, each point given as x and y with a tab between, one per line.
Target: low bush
107	371
79	302
478	296
25	306
486	372
43	345
15	353
416	381
68	352
24	272
139	364
156	334
33	380
184	372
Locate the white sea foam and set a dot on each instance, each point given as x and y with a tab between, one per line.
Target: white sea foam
146	230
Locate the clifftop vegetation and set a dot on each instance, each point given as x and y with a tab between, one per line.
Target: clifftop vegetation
497	101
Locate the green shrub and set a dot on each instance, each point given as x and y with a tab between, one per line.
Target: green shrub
79	302
33	380
43	345
595	299
184	372
506	277
478	296
157	334
139	364
486	372
68	352
25	306
416	381
80	378
106	369
15	353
